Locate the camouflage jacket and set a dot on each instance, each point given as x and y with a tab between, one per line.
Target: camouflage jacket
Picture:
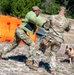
31	21
58	24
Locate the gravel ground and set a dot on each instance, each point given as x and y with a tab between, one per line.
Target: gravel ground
15	63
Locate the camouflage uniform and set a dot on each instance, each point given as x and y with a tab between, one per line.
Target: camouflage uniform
19	35
54	38
28	24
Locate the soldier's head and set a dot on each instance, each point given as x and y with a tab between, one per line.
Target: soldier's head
36	9
62	10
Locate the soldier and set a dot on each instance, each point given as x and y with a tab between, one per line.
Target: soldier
29	24
58	24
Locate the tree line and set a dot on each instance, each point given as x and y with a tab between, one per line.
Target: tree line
19	8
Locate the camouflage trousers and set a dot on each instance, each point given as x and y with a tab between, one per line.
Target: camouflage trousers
20	35
54	47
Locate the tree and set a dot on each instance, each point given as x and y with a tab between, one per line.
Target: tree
49	6
5	6
17	8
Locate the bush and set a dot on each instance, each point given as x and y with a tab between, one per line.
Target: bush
19	8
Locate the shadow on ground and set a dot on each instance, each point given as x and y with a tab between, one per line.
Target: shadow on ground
65	60
23	58
19	58
46	66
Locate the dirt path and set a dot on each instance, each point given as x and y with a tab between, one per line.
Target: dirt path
15	65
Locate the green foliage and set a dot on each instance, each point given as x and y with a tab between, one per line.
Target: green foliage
5	6
50	7
19	8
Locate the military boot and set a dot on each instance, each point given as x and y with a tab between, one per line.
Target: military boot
31	65
29	62
0	54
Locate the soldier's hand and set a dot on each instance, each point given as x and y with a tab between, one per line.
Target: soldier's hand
68	28
46	25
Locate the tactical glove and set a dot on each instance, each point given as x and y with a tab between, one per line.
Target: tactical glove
68	28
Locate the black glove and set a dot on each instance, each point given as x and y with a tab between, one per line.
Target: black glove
68	28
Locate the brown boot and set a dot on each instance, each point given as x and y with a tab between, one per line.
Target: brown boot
33	67
30	63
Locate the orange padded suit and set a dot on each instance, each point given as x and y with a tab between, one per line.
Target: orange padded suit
8	24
